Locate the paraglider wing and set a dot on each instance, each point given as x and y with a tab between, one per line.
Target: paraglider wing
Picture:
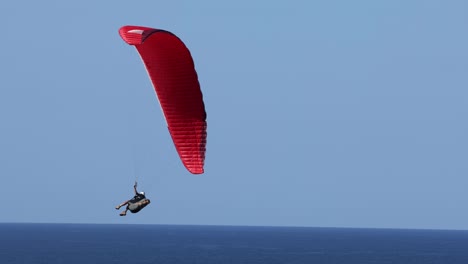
172	72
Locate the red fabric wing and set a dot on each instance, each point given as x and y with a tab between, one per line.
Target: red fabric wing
172	72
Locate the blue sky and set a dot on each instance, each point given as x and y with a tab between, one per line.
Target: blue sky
320	113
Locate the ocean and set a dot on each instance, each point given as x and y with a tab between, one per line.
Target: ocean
102	243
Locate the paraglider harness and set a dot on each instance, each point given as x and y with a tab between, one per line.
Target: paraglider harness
138	202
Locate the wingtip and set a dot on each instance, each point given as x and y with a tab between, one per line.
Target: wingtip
197	171
134	35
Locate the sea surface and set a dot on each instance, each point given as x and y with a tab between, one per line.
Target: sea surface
101	243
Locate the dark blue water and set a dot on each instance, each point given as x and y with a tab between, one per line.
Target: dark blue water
78	243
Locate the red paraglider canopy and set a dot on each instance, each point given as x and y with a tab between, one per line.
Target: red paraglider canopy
172	72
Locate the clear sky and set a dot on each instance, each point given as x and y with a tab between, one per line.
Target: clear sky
320	113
